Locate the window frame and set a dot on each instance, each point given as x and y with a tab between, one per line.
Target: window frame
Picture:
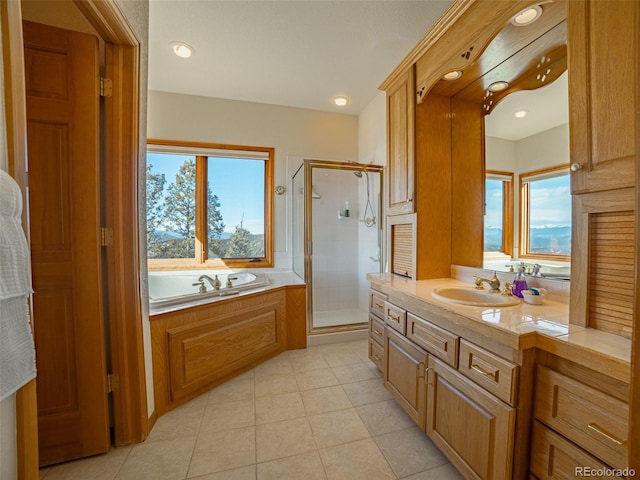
524	235
507	208
200	260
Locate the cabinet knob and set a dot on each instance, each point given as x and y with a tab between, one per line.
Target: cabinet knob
576	166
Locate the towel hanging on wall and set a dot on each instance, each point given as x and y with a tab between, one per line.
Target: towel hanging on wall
17	351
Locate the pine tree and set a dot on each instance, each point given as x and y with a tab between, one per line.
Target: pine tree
155	210
240	244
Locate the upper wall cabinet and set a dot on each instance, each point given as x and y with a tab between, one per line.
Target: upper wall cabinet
400	141
603	52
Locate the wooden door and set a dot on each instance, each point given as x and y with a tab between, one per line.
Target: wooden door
472	427
400	143
405	366
62	85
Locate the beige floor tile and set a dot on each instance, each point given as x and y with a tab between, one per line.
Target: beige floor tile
242	473
232	391
353	373
275	366
182	422
162	460
223	450
410	451
308	362
338	358
368	391
274	408
99	467
275	384
334	428
228	415
316	379
361	460
384	417
443	472
284	439
43	472
326	399
306	466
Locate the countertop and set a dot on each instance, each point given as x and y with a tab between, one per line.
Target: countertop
520	327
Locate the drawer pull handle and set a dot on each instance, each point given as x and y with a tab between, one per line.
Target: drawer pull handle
379	306
377	358
378	332
481	371
395	318
605	434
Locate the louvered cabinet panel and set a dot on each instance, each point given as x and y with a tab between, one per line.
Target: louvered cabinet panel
402	241
611	276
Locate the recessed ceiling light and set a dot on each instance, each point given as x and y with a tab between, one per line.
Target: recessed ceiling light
341	100
498	86
182	50
526	16
454	75
521	113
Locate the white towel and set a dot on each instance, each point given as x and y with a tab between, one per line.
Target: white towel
15	260
17	352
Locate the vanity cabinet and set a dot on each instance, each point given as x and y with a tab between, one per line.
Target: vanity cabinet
400	143
594	424
472	427
376	328
405	367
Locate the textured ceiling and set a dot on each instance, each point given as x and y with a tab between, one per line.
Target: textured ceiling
298	53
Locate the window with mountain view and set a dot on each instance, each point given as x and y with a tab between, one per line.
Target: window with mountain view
498	216
208	205
545	205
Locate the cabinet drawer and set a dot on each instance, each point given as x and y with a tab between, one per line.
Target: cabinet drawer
594	420
433	339
497	375
395	317
554	457
376	329
376	354
376	303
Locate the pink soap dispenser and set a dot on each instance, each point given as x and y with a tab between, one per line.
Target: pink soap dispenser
519	283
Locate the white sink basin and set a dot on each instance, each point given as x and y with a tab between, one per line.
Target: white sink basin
474	297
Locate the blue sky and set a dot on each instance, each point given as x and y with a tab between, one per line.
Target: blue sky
239	185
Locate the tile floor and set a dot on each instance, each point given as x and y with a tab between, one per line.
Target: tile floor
319	413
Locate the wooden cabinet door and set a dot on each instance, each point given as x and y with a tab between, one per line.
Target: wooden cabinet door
400	143
472	427
405	366
602	60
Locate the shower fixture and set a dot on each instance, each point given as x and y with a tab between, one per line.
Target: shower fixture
368	208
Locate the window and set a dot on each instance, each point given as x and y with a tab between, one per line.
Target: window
545	205
498	215
208	205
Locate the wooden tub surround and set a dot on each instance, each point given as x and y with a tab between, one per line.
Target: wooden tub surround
199	347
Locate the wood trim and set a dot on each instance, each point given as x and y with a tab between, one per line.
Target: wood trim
108	20
200	260
507	210
296	311
122	122
16	135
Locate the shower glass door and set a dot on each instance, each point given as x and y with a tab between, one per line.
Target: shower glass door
343	242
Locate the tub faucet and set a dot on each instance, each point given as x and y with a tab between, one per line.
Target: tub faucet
229	284
493	282
215	284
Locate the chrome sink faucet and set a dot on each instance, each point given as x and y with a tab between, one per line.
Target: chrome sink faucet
215	284
493	282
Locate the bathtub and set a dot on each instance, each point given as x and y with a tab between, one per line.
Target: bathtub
174	288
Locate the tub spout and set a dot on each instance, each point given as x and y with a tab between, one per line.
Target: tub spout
215	284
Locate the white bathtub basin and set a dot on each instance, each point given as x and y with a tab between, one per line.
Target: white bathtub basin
474	297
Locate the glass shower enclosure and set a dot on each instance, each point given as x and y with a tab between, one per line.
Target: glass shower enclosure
337	240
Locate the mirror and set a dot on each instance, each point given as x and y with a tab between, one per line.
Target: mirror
535	140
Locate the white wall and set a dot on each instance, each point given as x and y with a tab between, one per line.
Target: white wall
293	132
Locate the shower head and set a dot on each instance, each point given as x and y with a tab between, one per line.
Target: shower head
358	174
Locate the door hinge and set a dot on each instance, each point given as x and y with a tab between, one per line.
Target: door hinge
113	382
106	87
106	236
